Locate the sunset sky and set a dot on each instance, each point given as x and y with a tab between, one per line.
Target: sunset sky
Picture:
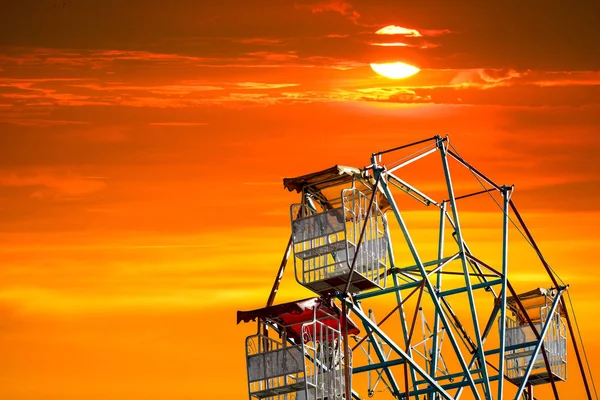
143	146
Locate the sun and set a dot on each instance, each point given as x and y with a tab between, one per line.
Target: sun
396	70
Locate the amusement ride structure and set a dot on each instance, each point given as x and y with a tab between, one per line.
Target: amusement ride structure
452	324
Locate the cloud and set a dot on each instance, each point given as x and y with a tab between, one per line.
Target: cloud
320	6
434	32
181	87
177	124
43	92
409	32
400	95
98	63
499	75
276	57
420	45
40	123
290	70
336	36
392	44
508	96
53	185
410	38
487	77
259	40
259	86
91	59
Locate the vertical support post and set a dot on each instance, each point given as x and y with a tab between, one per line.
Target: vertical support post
380	355
438	285
358	312
345	293
410	335
475	319
486	332
347	386
262	326
280	272
577	354
475	265
400	301
430	288
530	392
506	194
369	357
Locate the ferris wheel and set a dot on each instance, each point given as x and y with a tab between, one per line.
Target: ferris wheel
397	316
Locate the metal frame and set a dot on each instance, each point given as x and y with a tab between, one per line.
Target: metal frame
479	368
471	351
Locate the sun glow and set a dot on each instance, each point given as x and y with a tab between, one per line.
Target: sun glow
396	70
393	44
398	30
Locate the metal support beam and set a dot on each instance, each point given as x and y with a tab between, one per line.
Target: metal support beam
474	316
454	385
402	147
380	355
411	160
576	348
472	169
396	348
400	302
486	332
371	367
411	190
395	288
473	287
476	267
438	287
502	328
429	286
400	306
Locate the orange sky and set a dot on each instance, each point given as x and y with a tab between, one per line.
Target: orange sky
143	146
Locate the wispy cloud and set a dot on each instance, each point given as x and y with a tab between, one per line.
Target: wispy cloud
53	185
94	59
460	86
410	32
392	44
91	62
177	124
40	123
259	85
259	40
339	6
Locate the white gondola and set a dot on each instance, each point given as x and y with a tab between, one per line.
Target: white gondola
306	361
326	231
518	332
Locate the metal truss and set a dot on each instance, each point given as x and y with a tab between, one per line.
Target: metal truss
466	346
481	369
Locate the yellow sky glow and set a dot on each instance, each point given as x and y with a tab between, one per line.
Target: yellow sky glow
398	30
396	70
394	44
